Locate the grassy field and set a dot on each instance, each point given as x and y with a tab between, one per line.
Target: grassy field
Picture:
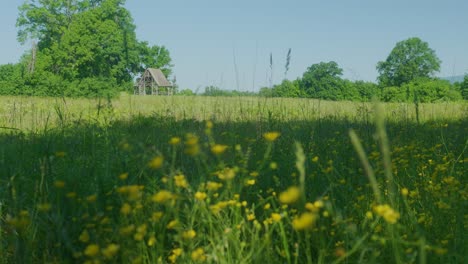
231	180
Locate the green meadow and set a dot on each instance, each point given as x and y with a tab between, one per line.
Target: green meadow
231	180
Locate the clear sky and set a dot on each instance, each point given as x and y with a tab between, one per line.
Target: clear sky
207	38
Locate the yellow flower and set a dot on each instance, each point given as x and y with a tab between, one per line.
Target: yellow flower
291	195
190	234
267	206
251	217
174	141
156	216
276	217
125	209
162	196
59	184
271	136
180	181
123	176
226	174
110	251
315	159
213	186
385	211
151	241
126	230
60	154
250	182
191	144
404	192
318	204
91	250
218	149
71	195
254	174
91	198
156	162
200	196
209	124
369	215
305	221
273	165
84	237
172	224
44	207
198	255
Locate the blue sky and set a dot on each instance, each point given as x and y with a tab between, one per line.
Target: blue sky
205	37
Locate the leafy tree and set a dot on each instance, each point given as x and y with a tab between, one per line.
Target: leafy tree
410	59
323	80
422	90
81	41
367	90
287	89
464	88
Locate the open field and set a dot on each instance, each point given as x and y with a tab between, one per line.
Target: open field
231	180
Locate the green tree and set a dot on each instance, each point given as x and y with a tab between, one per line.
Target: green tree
323	80
367	90
410	59
81	41
464	88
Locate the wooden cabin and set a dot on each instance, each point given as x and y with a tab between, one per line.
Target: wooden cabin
153	82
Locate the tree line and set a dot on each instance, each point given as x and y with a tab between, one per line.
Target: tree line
407	75
88	48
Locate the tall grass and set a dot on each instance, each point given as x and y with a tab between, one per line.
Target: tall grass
231	180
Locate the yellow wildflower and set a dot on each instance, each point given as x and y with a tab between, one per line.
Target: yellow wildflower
305	221
276	217
71	195
91	198
385	211
151	241
175	254
198	255
126	230
126	209
227	174
156	162
123	176
218	149
44	207
174	141
404	192
213	186
250	182
172	224
84	237
251	217
156	216
180	181
162	196
91	250
271	136
59	184
191	144
60	154
189	234
200	196
291	195
110	251
315	159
